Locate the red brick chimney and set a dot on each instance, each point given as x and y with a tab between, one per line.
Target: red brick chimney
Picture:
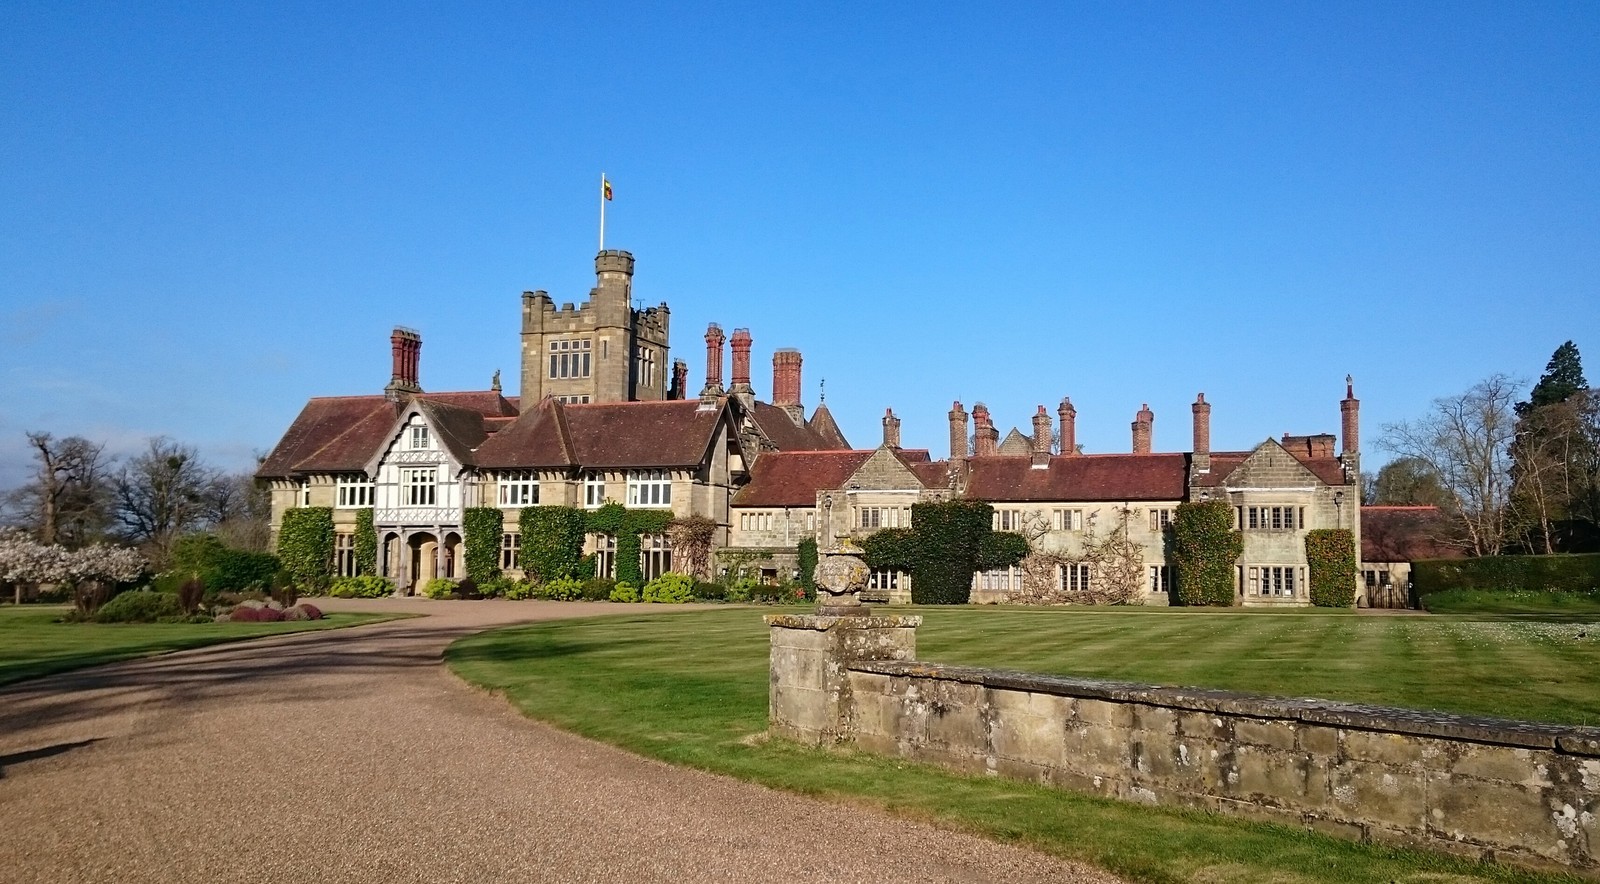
680	380
740	386
988	440
1041	439
405	351
1202	433
1350	418
714	339
1143	429
1069	427
891	429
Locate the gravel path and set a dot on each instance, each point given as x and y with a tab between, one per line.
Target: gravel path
355	756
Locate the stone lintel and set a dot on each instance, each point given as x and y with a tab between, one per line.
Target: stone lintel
1572	740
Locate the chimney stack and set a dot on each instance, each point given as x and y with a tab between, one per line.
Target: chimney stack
1069	427
1143	429
1041	439
680	380
891	429
958	435
405	351
988	437
740	386
1350	418
714	339
786	383
1202	433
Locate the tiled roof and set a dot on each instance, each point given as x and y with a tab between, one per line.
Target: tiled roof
609	435
1079	477
775	422
1405	534
337	434
793	478
822	424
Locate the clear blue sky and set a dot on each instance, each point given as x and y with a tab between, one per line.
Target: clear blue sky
215	211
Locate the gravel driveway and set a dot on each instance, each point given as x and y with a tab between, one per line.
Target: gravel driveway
354	755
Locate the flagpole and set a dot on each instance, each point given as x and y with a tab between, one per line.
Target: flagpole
602	211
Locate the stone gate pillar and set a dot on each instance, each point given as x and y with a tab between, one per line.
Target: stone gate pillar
809	698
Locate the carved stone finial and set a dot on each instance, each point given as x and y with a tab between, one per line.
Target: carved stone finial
495	383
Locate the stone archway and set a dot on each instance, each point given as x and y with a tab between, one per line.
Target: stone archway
450	563
422	550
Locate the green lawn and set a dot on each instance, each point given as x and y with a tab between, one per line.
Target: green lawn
1518	601
33	644
691	688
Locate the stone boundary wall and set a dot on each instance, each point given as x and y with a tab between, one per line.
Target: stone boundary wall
1487	788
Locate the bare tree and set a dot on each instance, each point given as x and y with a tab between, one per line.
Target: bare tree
160	494
1465	440
1555	457
66	501
239	510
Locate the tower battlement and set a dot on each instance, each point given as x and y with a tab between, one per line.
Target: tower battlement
602	350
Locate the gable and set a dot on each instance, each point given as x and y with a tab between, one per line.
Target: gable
883	471
1270	465
406	447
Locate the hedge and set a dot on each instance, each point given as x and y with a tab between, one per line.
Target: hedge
366	543
1559	573
305	546
552	541
806	562
1331	555
951	541
1205	551
483	527
221	569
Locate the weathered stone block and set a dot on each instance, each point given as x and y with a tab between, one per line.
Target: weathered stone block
1395	749
1258	732
1383	796
1506	763
1318	740
1283	778
1028	728
1105	713
1204	725
1155	719
1465	809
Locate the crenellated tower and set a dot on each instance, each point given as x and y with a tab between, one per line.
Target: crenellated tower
604	350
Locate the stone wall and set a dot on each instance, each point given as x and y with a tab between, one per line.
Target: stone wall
1509	790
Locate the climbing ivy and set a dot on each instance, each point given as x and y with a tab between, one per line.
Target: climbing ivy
366	543
806	561
483	526
948	543
305	546
626	525
1331	554
1205	550
552	542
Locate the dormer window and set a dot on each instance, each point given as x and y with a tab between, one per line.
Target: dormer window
419	438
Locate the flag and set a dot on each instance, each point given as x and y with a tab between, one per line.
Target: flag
605	187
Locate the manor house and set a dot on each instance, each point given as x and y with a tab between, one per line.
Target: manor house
601	418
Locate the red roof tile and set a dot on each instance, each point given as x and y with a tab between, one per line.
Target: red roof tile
793	478
822	424
1079	477
778	426
612	434
337	434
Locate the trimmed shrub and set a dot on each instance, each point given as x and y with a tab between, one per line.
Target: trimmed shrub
891	549
565	589
522	589
483	527
1205	550
366	586
624	592
1331	555
312	612
710	592
669	589
247	614
552	541
305	546
598	589
1558	573
220	568
496	588
806	562
439	588
366	543
143	606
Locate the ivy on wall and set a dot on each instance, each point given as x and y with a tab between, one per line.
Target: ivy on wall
305	546
626	525
366	543
1331	555
1205	550
483	527
552	542
949	542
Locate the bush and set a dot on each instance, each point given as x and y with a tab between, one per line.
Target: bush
439	588
624	592
302	612
1559	573
1331	555
552	541
522	589
806	561
248	614
143	606
710	592
305	546
366	586
190	594
468	589
564	589
496	588
669	589
778	593
1205	551
483	527
221	569
598	589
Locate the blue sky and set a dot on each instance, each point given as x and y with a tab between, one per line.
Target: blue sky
215	211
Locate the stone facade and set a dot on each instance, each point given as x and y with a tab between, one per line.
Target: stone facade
604	350
1484	788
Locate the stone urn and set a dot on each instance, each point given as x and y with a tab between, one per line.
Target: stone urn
840	577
